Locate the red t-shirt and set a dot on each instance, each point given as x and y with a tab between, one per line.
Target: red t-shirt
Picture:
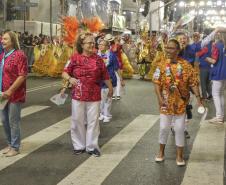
15	65
90	72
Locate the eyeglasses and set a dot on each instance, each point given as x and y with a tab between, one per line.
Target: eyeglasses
89	43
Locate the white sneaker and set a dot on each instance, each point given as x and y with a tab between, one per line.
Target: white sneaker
106	119
109	116
101	117
216	120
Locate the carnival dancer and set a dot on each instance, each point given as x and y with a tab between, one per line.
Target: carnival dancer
116	48
173	79
187	52
13	72
159	53
111	62
218	78
85	72
206	56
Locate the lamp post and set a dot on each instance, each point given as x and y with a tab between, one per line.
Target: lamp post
138	17
4	13
25	12
50	19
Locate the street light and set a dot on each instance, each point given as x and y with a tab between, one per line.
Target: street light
201	3
50	19
182	4
192	3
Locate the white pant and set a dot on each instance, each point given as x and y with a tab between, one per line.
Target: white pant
85	136
117	91
218	97
179	126
106	102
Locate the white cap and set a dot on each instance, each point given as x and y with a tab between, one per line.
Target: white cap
109	37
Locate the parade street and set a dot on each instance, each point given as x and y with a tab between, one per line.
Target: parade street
129	144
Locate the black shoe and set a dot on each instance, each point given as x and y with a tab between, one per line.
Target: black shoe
77	152
209	97
186	134
94	152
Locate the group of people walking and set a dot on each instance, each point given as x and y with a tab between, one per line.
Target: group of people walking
95	73
176	77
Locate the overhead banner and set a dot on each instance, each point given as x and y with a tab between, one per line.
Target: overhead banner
118	22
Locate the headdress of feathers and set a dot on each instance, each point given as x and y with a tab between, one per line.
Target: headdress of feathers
73	27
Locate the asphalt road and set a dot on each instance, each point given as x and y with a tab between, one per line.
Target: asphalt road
52	160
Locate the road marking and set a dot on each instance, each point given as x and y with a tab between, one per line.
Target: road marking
36	141
94	170
44	87
30	110
206	161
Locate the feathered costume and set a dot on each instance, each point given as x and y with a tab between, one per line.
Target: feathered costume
49	60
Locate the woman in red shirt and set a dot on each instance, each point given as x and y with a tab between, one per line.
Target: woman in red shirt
13	72
85	71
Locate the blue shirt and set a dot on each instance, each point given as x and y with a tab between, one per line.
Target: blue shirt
202	63
218	71
188	53
112	65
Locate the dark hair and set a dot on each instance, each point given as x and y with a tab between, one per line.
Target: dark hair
175	42
80	40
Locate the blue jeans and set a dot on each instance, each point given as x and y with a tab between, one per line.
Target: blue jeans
10	118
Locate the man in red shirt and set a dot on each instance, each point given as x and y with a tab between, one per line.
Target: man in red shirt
13	72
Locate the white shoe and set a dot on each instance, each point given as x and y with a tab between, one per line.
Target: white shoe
109	116
159	159
6	150
101	117
106	119
216	120
182	163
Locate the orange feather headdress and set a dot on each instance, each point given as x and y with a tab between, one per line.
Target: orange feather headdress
72	27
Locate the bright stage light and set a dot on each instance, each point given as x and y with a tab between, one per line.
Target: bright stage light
181	4
192	3
201	12
222	12
209	3
201	3
93	3
219	3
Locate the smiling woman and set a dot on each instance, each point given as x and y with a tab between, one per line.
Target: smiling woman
173	79
85	71
13	72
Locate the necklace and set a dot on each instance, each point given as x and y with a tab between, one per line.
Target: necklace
169	76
